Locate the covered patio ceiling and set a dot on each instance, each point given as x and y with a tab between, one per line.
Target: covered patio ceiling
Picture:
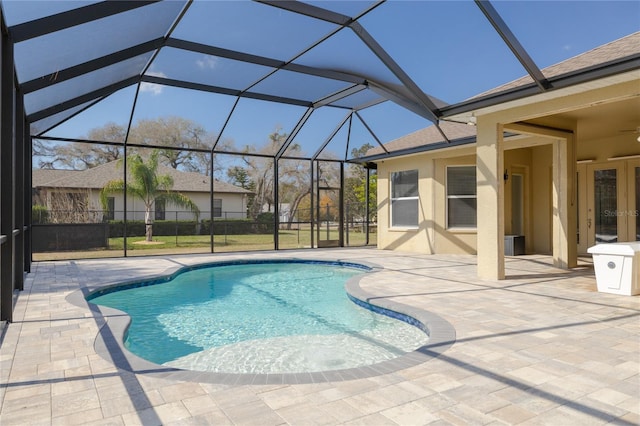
336	67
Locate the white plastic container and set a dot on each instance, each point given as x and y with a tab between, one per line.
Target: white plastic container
617	267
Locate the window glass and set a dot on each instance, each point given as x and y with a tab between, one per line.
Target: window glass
160	210
111	209
404	184
404	213
461	180
461	197
217	207
404	198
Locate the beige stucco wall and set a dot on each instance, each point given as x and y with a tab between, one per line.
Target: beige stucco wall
432	236
600	150
420	239
541	177
234	204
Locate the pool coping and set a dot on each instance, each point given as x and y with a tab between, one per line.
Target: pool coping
113	324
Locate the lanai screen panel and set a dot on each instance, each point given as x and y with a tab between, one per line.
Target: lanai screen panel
424	56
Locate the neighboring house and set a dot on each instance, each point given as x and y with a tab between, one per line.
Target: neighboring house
74	196
284	211
558	171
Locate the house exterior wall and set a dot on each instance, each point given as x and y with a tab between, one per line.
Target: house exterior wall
233	205
541	176
549	154
432	235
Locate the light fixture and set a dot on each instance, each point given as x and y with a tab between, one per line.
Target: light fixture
638	138
506	175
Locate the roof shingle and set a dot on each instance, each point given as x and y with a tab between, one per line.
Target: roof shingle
97	177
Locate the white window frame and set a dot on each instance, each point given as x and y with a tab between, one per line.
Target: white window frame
416	197
448	197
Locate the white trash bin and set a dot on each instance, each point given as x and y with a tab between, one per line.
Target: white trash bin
617	267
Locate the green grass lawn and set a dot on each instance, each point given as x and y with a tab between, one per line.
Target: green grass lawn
288	239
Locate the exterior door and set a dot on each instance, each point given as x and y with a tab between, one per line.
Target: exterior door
611	203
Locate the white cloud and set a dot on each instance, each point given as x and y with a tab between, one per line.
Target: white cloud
154	89
207	62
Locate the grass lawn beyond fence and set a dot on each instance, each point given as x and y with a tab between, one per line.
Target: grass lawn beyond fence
136	246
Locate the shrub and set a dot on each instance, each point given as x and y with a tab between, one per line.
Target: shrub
136	228
235	227
39	214
265	217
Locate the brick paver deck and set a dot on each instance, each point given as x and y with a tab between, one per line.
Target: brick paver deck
539	348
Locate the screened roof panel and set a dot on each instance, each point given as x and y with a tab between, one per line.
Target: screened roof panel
48	54
239	24
348	8
254	121
360	140
592	23
17	12
206	110
402	54
316	130
359	100
206	69
112	109
86	83
336	148
345	52
447	67
390	121
299	86
45	124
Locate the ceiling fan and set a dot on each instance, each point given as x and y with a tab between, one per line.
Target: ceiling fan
635	131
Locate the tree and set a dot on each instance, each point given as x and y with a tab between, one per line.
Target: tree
355	186
146	184
293	176
179	136
81	156
238	176
294	183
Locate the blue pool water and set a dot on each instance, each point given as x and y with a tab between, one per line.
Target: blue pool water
259	318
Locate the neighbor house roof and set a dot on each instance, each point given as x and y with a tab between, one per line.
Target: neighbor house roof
621	48
97	177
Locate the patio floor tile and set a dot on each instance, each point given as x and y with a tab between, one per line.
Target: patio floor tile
541	347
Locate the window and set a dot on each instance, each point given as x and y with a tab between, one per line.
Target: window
404	199
111	209
217	207
461	197
160	210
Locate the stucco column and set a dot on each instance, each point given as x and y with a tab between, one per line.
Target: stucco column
564	204
490	199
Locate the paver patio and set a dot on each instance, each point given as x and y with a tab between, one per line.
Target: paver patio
539	348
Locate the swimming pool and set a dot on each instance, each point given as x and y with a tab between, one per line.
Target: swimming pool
259	317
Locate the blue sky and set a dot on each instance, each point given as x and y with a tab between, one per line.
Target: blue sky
447	47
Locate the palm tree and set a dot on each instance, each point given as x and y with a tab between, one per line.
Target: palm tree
146	184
